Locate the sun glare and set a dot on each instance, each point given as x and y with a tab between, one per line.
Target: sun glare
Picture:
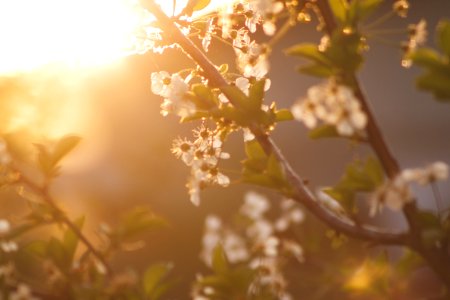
76	33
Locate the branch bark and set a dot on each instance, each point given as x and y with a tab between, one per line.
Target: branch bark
436	257
302	194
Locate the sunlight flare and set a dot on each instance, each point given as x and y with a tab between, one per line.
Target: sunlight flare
77	33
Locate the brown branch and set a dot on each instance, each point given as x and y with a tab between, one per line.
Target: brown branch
63	218
436	257
302	194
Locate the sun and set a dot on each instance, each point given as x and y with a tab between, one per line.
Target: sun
77	33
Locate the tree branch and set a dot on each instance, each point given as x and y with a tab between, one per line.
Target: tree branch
302	194
63	218
436	257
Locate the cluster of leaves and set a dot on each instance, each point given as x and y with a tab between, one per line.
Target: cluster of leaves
73	266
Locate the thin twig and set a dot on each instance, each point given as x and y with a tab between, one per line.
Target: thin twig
63	218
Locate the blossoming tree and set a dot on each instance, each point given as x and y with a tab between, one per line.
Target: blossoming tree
253	256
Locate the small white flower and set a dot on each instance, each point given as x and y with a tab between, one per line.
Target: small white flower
23	292
213	223
393	193
5	226
255	205
260	230
433	172
9	246
271	246
332	104
235	248
294	249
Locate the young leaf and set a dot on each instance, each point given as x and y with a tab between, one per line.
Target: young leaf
153	278
317	70
70	239
219	260
64	146
443	31
254	150
309	51
339	8
283	115
361	9
323	131
256	94
205	97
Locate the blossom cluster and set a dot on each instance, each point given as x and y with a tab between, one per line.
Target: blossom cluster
262	244
396	193
333	104
173	89
251	57
417	36
203	156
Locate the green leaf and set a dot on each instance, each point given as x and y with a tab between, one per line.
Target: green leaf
427	58
138	221
256	94
37	247
205	98
48	159
254	150
219	260
361	9
64	146
57	252
274	170
153	279
374	170
317	70
70	239
283	115
235	95
344	50
309	51
437	83
339	9
324	131
443	31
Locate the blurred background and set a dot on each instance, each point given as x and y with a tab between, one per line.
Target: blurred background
125	160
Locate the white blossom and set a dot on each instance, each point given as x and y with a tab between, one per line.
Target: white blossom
290	214
235	248
9	246
436	171
331	104
5	227
23	292
260	230
202	156
255	205
173	89
271	246
394	194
